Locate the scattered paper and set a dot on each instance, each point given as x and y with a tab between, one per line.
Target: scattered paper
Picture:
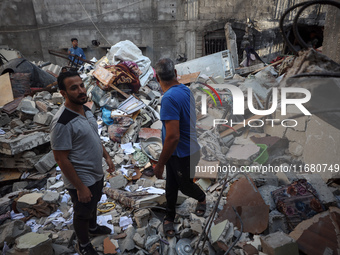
103	220
103	199
124	222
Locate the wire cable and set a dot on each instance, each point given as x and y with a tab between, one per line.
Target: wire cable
307	4
93	22
70	22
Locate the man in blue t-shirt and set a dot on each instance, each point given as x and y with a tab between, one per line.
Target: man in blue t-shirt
75	50
181	151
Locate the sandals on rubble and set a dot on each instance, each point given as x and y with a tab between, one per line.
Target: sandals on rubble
200	209
169	229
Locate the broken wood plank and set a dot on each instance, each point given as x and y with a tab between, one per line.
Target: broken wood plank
188	78
272	64
9	175
6	90
239	126
117	89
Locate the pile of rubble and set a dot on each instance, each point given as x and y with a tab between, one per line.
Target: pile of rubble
250	209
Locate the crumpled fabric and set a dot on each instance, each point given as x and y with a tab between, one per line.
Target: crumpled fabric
210	146
124	75
128	51
41	209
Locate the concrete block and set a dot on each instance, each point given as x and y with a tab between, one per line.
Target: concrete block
45	163
118	182
324	193
16	123
43	118
4	119
43	106
160	184
57	98
139	240
196	227
27	106
51	196
242	154
277	222
142	217
23	143
279	244
154	223
34	243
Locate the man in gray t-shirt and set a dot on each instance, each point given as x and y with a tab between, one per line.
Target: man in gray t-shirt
78	151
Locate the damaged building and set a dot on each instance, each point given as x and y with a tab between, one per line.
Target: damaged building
269	131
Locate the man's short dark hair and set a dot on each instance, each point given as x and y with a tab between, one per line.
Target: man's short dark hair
63	76
74	39
165	69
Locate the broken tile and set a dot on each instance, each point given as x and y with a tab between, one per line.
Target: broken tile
34	243
109	247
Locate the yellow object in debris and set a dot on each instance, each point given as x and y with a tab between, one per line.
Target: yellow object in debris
107	210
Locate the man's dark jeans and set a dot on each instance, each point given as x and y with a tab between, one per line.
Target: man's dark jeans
178	178
85	214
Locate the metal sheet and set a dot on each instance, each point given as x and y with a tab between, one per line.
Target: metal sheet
217	64
244	196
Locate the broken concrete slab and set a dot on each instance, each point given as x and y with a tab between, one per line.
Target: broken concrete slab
277	222
45	163
10	231
279	243
57	98
118	182
295	149
43	118
142	218
18	186
23	143
51	196
28	200
139	240
65	237
33	243
242	154
325	138
127	244
319	234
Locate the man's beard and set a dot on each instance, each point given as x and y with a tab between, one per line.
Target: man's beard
79	101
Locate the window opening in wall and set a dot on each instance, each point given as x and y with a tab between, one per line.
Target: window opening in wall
312	35
214	41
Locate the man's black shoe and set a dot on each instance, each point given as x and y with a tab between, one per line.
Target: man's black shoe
87	250
100	231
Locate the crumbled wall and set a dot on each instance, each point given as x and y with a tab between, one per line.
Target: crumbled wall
160	28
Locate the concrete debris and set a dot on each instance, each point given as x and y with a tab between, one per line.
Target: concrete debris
279	243
231	146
